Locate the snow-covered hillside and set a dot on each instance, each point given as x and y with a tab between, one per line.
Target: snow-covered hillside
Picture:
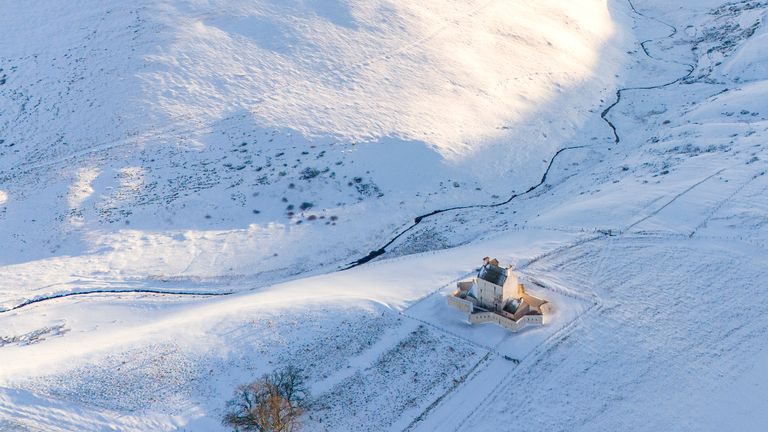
184	140
203	169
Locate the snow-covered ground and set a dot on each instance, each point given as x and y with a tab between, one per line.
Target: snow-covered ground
154	148
225	140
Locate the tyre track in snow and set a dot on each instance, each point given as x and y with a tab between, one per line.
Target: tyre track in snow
689	189
674	198
711	214
591	299
456	384
595	306
549	344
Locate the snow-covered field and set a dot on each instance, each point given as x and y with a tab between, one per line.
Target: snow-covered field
180	183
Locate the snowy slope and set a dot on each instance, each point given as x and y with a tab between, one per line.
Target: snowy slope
200	133
648	234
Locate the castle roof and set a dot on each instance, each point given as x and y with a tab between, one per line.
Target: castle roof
493	274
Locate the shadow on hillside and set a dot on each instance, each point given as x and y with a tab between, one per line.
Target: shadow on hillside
241	198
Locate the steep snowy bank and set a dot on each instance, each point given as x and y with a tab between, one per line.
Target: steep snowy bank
195	141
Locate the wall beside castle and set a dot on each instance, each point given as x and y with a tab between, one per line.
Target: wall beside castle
460	304
532	319
485	317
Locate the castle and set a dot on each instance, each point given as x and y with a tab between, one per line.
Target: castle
497	296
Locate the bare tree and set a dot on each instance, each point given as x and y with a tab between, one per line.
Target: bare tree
273	403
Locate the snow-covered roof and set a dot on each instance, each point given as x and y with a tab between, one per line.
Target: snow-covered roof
493	274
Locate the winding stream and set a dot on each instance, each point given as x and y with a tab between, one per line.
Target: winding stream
604	115
419	219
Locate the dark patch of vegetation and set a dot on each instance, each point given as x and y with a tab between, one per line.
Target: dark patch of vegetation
309	173
273	403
